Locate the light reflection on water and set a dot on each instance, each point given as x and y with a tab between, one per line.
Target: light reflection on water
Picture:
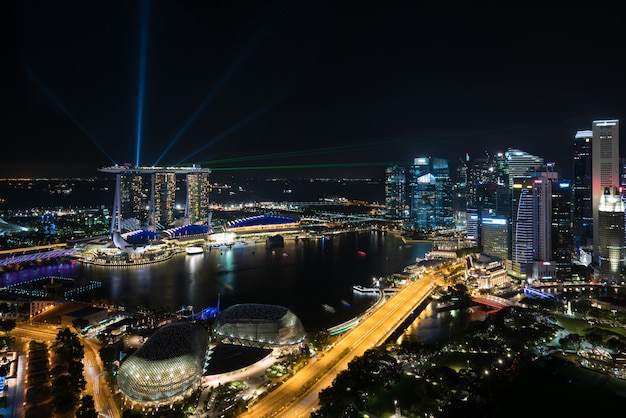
303	276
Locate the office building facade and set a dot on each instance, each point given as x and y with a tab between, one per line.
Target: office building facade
605	170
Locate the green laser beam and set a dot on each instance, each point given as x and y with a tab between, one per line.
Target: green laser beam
292	166
315	151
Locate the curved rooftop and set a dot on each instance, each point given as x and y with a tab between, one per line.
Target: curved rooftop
188	230
167	367
261	220
259	325
172	340
253	311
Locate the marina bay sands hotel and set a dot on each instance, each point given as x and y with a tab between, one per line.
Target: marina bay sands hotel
145	197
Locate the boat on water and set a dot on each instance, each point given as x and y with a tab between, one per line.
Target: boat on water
363	289
328	308
194	249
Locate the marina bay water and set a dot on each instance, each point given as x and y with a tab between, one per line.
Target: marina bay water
312	277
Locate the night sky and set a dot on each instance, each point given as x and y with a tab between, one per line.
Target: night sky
354	85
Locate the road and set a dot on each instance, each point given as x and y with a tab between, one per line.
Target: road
93	370
298	396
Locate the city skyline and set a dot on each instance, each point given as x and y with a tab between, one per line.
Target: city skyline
330	87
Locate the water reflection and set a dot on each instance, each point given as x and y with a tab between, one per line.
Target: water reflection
432	325
303	276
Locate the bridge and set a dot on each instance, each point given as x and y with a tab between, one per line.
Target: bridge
32	254
534	293
493	301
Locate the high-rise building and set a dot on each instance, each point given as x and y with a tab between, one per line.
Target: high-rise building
395	193
164	187
133	199
520	162
459	202
430	194
522	227
532	223
605	170
472	223
611	234
581	187
198	189
495	237
563	245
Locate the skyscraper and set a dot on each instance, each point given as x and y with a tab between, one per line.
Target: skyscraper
519	163
198	188
495	237
611	234
605	170
164	186
395	192
133	199
562	229
430	194
532	223
581	188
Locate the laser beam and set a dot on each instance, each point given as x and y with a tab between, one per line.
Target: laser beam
230	130
315	151
217	86
143	52
61	106
291	166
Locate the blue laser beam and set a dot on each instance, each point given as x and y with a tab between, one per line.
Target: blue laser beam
230	130
61	106
217	86
143	47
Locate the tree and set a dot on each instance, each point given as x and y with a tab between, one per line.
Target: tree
7	325
80	323
87	408
70	353
64	399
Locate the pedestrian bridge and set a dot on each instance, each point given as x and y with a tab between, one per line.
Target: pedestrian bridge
493	301
32	254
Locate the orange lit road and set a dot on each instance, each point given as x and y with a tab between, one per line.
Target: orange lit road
298	396
93	370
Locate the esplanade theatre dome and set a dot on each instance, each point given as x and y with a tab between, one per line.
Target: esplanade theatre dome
259	325
166	367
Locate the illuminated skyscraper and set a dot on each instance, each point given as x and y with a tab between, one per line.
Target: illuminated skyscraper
562	229
395	192
611	234
522	226
134	199
605	170
581	187
430	194
164	186
520	162
495	237
198	188
532	224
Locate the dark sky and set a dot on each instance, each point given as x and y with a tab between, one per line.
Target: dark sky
240	83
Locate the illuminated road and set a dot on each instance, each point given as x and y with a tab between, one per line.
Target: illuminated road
93	371
298	396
